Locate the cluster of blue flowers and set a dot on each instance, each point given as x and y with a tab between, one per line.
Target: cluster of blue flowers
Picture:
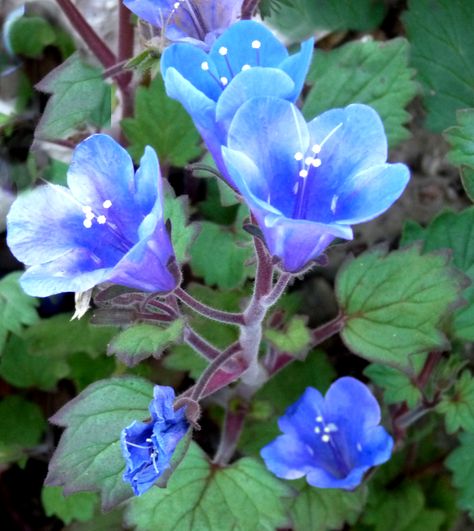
305	183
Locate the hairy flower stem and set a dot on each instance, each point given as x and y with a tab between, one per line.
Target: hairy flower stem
200	345
126	35
208	311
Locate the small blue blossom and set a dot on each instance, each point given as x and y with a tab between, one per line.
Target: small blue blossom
107	226
306	184
245	62
199	22
332	440
147	447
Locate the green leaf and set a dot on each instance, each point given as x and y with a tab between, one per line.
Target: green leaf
440	32
461	138
183	358
143	340
88	456
16	308
84	370
294	340
111	521
20	367
240	497
29	36
370	72
79	506
324	509
461	464
229	250
458	405
397	386
182	232
394	304
80	98
22	425
163	124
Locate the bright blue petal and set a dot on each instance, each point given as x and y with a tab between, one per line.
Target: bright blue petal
367	194
219	14
324	480
299	418
287	457
376	447
297	66
149	184
188	60
249	84
155	12
161	407
238	41
101	170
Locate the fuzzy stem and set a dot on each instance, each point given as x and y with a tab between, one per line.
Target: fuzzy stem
126	35
278	290
208	311
200	345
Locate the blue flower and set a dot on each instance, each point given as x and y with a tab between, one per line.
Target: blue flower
332	440
246	61
147	447
107	226
199	22
307	184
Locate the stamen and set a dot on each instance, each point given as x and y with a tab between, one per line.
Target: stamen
298	155
319	418
308	160
107	203
176	5
223	50
316	163
325	438
87	210
101	220
246	67
329	135
316	148
224	81
303	173
317	429
148	440
331	427
256	45
137	445
205	66
153	455
87	223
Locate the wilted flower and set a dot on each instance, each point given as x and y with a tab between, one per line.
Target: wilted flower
147	447
245	62
332	440
306	184
196	21
107	226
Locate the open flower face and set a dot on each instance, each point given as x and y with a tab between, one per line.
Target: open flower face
147	447
307	184
332	440
107	226
199	22
245	62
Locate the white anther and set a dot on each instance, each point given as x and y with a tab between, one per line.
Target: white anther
176	5
107	203
326	429
224	80
319	418
316	148
148	440
303	173
325	438
256	44
246	67
298	155
101	220
205	66
87	210
87	223
316	163
223	50
317	429
331	427
308	160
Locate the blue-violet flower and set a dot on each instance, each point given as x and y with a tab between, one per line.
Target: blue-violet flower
332	440
198	22
245	62
306	184
107	226
147	447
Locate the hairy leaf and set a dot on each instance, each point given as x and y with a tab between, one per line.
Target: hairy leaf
461	464
397	386
458	405
79	506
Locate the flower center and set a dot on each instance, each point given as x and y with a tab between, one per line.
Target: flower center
325	432
153	454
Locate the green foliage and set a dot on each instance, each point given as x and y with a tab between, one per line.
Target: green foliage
163	124
21	427
440	32
183	358
79	506
326	509
80	97
229	248
458	405
182	232
30	35
16	308
370	72
461	464
394	304
295	339
461	138
241	497
143	340
397	386
84	370
88	456
453	231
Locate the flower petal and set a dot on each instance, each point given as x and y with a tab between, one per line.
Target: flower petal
377	446
149	184
320	478
297	66
161	407
240	41
300	417
287	457
155	12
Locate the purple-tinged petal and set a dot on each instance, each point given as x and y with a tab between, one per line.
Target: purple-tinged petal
376	446
161	407
155	12
287	457
149	184
297	66
300	416
323	480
